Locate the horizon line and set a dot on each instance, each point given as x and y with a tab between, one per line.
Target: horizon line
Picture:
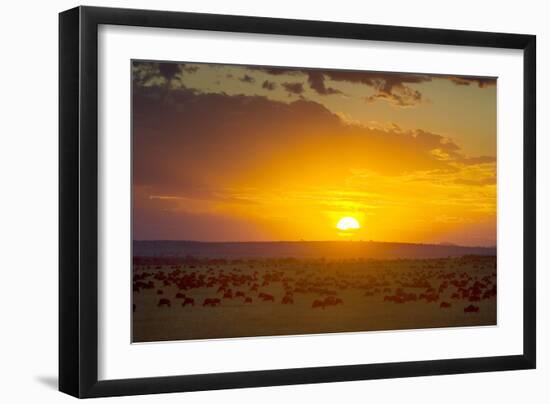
442	244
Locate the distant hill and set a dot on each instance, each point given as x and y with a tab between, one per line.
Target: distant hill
302	249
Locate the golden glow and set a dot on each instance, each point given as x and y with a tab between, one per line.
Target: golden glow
237	156
348	223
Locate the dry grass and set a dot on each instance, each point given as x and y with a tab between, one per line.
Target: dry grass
367	289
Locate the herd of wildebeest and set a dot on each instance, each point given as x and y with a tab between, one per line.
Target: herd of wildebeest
207	284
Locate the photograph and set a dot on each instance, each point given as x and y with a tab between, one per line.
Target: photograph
276	201
298	199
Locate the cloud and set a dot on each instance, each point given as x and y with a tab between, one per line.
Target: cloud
401	96
394	88
159	73
316	81
269	85
177	137
190	69
215	166
391	87
277	71
481	82
294	88
168	70
478	160
479	182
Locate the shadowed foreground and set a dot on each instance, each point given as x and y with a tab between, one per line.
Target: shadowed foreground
182	299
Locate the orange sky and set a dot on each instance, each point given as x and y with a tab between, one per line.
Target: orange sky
237	153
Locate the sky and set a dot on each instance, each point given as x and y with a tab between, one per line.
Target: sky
263	153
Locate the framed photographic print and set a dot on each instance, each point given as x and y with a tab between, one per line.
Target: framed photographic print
251	201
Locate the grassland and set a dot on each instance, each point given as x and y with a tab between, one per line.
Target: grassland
187	298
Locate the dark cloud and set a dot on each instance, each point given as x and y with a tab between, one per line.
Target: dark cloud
481	82
244	133
233	131
192	148
401	96
168	70
391	87
316	81
247	79
144	73
394	88
294	88
269	85
277	71
384	81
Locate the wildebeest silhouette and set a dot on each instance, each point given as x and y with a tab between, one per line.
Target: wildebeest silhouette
471	309
266	297
490	293
164	302
188	301
395	298
430	297
445	305
213	302
332	301
318	303
287	300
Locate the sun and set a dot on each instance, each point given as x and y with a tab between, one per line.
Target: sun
348	223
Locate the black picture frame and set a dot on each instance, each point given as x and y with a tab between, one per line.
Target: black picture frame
78	201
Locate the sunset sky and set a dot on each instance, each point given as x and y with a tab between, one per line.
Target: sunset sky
252	153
